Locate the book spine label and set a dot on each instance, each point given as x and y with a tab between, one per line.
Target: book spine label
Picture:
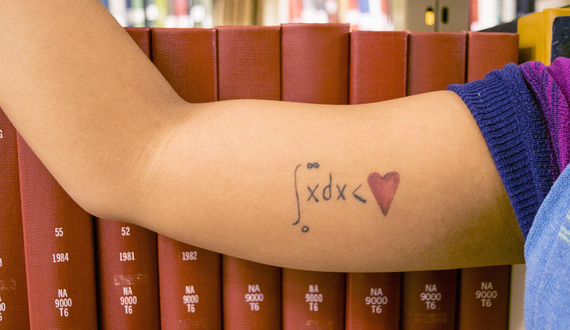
252	295
127	276
59	249
373	301
13	288
484	298
313	299
429	300
190	286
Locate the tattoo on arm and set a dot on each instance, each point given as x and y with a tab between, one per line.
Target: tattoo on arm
383	188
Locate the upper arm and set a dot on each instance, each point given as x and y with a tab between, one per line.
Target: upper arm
239	175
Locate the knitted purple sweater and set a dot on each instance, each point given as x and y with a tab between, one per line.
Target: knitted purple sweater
523	114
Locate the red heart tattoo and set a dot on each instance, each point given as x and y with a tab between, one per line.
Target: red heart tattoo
384	189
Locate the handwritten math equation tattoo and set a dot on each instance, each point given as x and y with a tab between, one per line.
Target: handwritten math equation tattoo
383	189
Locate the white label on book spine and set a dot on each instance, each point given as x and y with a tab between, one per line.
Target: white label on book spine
63	302
375	300
314	297
430	296
128	299
190	298
253	297
486	294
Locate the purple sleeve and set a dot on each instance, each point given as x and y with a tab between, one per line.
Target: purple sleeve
510	119
550	86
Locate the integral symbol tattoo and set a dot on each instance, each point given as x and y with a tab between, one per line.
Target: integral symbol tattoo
383	189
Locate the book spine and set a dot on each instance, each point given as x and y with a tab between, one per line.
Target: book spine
429	300
249	62
13	288
435	60
59	250
315	63
189	277
313	300
249	67
484	291
373	301
251	294
484	298
190	286
488	51
378	63
127	276
187	59
315	69
127	266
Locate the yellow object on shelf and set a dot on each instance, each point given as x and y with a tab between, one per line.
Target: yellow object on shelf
535	34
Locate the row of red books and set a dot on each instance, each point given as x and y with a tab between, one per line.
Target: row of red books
61	270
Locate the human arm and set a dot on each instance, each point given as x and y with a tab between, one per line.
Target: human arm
225	176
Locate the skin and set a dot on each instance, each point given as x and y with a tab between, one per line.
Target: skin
222	175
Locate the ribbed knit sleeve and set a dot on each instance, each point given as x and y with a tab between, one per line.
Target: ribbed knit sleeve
516	135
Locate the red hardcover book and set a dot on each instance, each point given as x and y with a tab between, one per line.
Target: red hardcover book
127	266
249	67
378	66
313	300
484	293
429	300
315	69
142	37
488	51
373	301
13	288
484	298
187	59
249	62
315	63
435	60
251	294
59	249
127	276
378	62
189	277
